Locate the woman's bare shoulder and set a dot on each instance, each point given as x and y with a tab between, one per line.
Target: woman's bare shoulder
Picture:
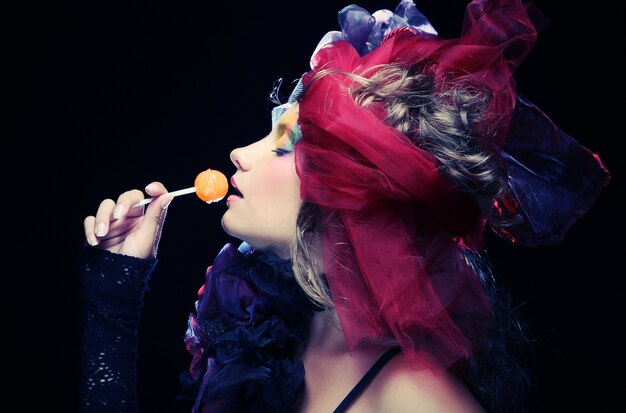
400	389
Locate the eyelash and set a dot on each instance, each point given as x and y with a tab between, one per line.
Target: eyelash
280	152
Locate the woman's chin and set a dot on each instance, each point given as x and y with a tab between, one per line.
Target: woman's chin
227	225
233	228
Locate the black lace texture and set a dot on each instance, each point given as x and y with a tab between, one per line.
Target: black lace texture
113	287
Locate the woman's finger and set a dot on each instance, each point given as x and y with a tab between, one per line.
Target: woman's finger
90	230
103	217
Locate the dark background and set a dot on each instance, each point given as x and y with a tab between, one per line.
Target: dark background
124	94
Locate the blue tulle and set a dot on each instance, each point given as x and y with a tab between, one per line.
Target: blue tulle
366	31
552	180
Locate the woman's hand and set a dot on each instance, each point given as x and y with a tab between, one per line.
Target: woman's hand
121	228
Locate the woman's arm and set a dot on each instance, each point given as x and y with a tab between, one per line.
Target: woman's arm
113	288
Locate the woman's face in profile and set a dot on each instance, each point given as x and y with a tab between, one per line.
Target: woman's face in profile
264	214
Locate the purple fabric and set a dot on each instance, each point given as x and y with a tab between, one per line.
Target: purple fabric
553	180
366	31
250	316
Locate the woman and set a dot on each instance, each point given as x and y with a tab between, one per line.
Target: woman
359	285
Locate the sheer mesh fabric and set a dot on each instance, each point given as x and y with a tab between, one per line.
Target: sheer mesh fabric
113	288
384	200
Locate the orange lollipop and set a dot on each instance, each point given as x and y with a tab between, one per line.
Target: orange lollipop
210	186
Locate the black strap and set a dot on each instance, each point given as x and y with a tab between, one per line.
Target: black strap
367	379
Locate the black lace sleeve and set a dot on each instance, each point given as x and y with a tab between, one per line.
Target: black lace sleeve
113	288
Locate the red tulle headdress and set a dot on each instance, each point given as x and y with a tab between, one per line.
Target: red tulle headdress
394	226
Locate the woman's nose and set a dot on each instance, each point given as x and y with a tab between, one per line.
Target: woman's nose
238	159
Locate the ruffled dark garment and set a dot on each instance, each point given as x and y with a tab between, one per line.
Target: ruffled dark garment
251	320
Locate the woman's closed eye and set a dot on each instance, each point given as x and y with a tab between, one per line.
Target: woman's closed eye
281	152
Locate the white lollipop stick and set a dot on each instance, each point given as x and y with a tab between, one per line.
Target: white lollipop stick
172	194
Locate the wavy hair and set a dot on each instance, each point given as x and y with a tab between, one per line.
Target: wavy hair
445	121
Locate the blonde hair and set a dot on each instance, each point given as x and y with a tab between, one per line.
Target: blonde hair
305	259
444	121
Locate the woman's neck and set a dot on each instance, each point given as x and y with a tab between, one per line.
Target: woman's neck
332	370
326	337
326	334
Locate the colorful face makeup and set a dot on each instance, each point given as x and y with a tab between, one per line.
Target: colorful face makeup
288	131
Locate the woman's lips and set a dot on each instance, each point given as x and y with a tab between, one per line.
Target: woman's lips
235	188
